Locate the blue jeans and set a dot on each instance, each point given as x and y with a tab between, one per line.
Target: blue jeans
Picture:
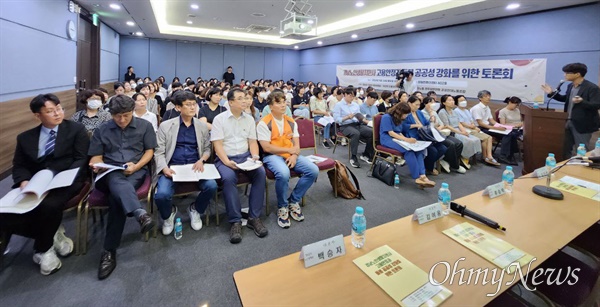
165	188
326	129
308	170
303	112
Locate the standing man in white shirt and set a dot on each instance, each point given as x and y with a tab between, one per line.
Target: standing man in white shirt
233	136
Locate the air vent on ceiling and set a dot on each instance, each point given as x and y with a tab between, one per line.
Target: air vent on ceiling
191	15
256	28
258	15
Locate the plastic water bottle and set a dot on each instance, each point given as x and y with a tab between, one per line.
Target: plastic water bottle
581	151
444	198
359	227
508	178
596	151
396	182
550	162
178	229
536	105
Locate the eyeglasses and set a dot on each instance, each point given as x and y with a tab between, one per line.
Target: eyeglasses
54	111
190	105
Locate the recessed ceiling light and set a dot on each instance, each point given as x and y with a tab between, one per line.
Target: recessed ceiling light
189	22
410	25
139	33
130	23
319	43
296	47
195	6
513	6
359	4
354	36
115	6
281	32
310	21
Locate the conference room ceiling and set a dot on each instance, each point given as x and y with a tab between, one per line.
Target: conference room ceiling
257	22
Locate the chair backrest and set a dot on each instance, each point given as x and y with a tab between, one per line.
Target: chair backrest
376	124
497	115
307	134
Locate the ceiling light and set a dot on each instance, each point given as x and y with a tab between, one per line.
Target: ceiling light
296	47
139	33
310	21
281	32
513	6
410	25
195	6
354	36
359	4
189	22
115	6
130	23
319	43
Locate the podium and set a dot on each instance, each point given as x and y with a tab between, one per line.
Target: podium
543	132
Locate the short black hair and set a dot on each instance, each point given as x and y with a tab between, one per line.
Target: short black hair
117	85
431	93
135	96
512	99
349	90
211	92
274	96
190	82
316	91
39	101
426	100
231	93
121	104
176	84
139	87
182	96
575	68
85	95
373	95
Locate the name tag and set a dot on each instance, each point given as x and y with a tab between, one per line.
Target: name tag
428	213
494	190
322	251
541	172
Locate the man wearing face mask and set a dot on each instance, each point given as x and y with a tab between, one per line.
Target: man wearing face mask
260	99
93	115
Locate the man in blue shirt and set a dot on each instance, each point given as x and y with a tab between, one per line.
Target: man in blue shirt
344	115
369	109
183	140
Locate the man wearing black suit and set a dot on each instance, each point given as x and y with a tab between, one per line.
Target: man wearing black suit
582	102
58	145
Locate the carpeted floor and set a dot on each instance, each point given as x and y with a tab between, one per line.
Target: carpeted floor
198	269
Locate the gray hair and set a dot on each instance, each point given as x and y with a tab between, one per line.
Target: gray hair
483	93
121	104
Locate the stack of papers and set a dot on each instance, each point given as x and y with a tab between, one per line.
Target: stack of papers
185	173
418	146
249	165
316	159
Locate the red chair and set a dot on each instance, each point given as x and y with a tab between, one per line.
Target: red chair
97	200
380	150
308	141
76	202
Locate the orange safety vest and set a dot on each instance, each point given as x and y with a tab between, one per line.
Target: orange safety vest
281	140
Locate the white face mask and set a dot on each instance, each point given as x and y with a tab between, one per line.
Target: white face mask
462	104
361	93
324	88
247	83
285	90
94	104
263	95
435	107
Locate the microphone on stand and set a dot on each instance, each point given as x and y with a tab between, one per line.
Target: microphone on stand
555	93
463	211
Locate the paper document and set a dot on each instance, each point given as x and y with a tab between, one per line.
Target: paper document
418	146
185	173
492	248
21	201
579	187
505	132
249	165
436	134
109	168
403	281
325	120
316	159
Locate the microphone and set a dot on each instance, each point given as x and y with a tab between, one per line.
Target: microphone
593	159
462	210
559	85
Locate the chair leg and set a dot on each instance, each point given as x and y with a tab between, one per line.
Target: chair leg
349	155
267	210
335	143
84	227
335	191
217	208
78	230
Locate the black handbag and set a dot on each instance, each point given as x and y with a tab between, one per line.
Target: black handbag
384	171
429	133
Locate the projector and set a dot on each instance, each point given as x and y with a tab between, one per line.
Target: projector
296	25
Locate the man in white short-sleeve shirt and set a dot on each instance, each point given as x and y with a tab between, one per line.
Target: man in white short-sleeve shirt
278	135
234	139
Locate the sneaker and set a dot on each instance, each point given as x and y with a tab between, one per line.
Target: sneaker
465	162
366	159
400	161
169	223
48	261
445	166
283	217
195	218
344	142
259	229
296	212
460	170
362	142
235	233
354	162
326	144
62	244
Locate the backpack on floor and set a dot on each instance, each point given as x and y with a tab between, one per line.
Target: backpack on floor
345	188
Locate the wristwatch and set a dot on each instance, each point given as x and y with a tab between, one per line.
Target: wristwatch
257	157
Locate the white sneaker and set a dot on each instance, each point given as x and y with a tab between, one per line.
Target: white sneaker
344	142
445	166
195	218
366	159
48	261
62	244
460	170
169	223
400	161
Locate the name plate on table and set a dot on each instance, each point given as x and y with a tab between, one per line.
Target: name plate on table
494	190
541	172
323	250
428	213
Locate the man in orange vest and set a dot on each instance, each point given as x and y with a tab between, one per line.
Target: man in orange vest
279	138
